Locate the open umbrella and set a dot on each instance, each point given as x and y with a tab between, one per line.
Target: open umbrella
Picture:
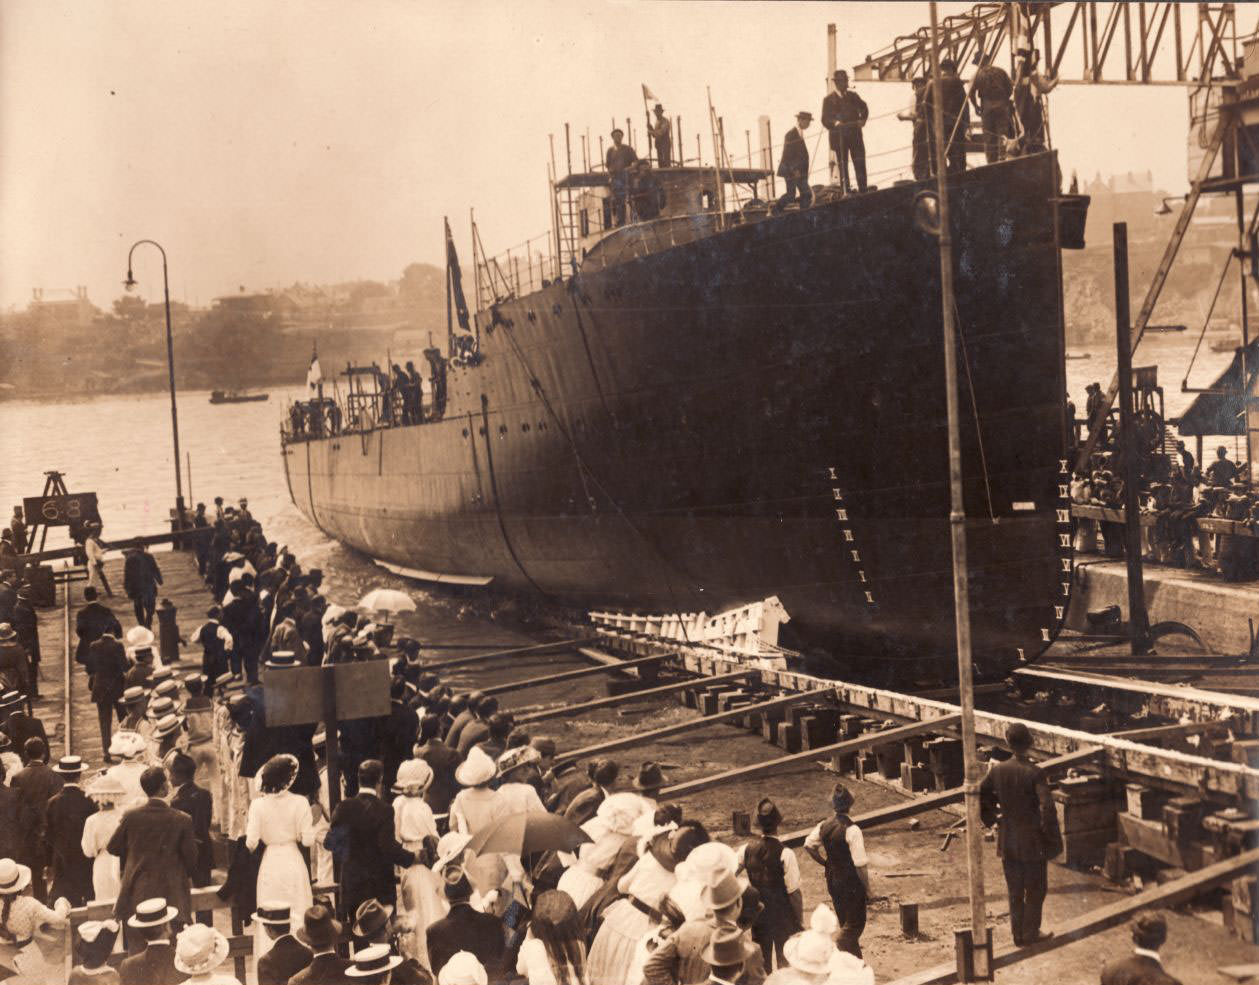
386	600
529	832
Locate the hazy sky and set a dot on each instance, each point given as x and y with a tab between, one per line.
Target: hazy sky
265	143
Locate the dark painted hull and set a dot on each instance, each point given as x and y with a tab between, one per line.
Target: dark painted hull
760	412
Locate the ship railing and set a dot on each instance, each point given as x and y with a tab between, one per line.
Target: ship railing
520	269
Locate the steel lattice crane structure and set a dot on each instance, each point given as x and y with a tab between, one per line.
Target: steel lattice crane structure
1083	43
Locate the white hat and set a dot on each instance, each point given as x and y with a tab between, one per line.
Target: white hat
275	912
153	913
450	846
710	861
515	758
14	877
138	636
414	777
105	786
127	744
199	949
373	960
809	952
477	770
463	968
167	725
619	811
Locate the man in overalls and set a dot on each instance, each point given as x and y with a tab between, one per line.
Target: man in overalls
837	845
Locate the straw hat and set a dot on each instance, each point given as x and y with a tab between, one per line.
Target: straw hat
450	846
7	632
477	770
167	725
106	787
14	877
70	767
162	674
809	952
279	773
10	698
281	659
160	707
373	961
463	968
414	777
274	912
514	759
134	695
199	949
153	913
138	636
167	689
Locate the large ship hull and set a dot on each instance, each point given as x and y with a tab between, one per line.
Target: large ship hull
757	412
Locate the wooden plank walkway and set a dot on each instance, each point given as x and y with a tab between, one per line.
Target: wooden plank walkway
180	583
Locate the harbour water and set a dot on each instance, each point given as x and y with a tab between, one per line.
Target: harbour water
234	452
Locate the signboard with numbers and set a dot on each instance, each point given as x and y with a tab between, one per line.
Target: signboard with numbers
60	511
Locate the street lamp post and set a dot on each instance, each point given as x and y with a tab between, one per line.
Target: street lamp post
129	283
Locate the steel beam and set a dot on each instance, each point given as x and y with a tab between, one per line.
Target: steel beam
559	711
572	675
519	651
678	728
835	749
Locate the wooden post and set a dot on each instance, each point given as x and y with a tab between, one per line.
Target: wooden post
957	527
331	745
1138	620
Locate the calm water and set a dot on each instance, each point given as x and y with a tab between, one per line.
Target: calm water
120	447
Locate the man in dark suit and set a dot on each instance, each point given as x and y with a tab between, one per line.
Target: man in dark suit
140	578
26	623
372	925
1027	832
18	725
107	666
478	728
197	804
793	166
952	96
360	835
1144	966
603	776
91	622
287	955
156	850
36	783
464	929
67	812
155	965
442	760
844	114
320	932
243	620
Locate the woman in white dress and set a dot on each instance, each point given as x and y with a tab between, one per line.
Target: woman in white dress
280	820
611	827
108	793
473	807
421	899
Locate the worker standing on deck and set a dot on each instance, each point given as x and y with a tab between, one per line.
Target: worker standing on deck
838	846
990	96
661	133
620	159
952	95
793	166
1027	832
844	114
95	551
1029	86
1221	472
920	145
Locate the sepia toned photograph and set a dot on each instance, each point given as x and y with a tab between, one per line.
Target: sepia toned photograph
629	492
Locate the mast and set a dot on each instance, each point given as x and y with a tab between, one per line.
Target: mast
450	325
980	940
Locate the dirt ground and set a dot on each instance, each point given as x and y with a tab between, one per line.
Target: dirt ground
906	864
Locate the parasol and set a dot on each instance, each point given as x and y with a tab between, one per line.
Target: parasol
529	832
386	600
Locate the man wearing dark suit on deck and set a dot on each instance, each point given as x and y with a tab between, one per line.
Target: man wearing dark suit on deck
360	835
793	166
1144	966
156	850
92	622
197	804
66	814
1027	832
466	929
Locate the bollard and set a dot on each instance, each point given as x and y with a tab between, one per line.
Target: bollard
909	919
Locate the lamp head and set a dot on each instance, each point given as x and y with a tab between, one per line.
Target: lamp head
130	282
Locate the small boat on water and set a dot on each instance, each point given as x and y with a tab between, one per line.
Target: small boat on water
236	397
1223	345
1166	328
1079	355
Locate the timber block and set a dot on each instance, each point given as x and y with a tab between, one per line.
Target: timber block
813	733
944	759
689	697
889	758
867	764
1246	751
1145	802
741	824
770	722
1244	891
828	717
915	750
796	713
915	778
1182	819
1085	804
789	737
850	726
1087	849
1230	830
1119	861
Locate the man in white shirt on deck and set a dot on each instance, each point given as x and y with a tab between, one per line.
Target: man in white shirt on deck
95	552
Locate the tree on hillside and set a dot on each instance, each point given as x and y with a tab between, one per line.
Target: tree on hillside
131	307
422	284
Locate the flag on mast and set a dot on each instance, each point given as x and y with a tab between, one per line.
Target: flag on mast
647	94
314	375
456	281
